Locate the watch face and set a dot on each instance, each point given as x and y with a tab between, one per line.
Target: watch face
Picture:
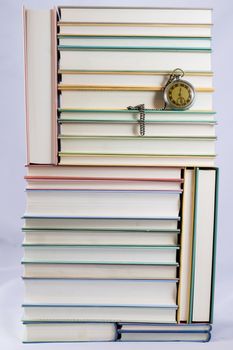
179	94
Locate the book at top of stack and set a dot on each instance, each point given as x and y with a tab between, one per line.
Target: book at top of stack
120	222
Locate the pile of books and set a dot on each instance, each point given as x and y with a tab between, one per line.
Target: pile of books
120	227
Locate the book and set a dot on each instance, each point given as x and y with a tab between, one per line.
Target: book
130	77
132	128
106	293
103	203
204	237
158	29
133	40
125	115
36	182
38	332
137	58
135	14
51	221
100	236
38	269
165	337
198	243
126	172
101	254
80	97
136	145
160	327
164	332
40	81
100	313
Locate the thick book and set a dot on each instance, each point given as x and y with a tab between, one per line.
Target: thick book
40	54
200	332
59	332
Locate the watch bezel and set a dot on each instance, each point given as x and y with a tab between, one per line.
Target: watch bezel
170	104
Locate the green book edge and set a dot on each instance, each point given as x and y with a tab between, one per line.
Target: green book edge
164	247
132	48
28	229
193	248
128	121
214	245
24	262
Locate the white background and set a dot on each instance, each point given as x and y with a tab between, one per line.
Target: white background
12	159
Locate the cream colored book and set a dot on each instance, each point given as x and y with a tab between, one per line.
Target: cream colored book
123	115
117	128
156	29
101	254
40	82
112	98
132	78
124	41
106	172
98	271
137	160
68	332
111	59
103	203
135	15
164	314
101	236
103	293
137	145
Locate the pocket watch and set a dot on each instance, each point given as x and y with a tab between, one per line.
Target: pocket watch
178	93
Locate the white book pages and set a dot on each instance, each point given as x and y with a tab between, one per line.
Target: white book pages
102	184
104	314
138	29
101	237
208	161
136	15
134	60
68	332
107	172
186	245
86	203
119	223
202	43
133	129
100	292
39	86
203	245
100	254
167	327
114	114
120	79
122	99
139	145
169	337
99	271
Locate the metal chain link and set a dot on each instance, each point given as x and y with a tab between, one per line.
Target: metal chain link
176	74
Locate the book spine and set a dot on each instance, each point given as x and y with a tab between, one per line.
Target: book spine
54	68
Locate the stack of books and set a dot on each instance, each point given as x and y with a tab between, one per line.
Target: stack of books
121	215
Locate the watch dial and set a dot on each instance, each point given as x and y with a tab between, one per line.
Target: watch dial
180	95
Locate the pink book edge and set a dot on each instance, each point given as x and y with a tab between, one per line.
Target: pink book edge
94	178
